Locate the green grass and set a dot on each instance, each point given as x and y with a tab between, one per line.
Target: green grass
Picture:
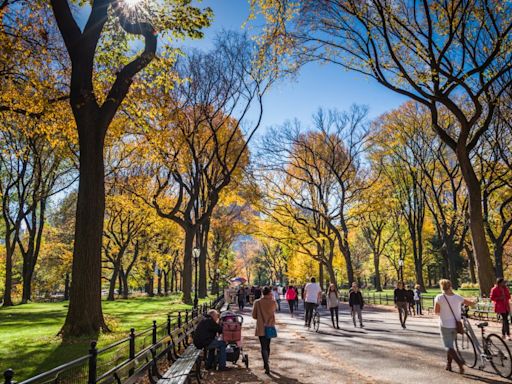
28	341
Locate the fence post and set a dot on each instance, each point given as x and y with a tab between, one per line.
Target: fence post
179	319
154	332
168	323
132	349
386	299
186	316
93	359
8	376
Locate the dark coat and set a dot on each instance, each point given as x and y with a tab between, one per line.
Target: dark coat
206	331
356	298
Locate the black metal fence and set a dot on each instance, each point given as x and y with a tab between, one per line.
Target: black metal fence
379	298
103	365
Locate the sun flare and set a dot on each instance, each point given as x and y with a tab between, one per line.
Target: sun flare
132	3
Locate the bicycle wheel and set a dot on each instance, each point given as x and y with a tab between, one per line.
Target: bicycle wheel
501	360
466	349
316	321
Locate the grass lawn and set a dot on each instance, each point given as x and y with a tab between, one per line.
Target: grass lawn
28	341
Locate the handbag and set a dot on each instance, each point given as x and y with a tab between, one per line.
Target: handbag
458	324
270	332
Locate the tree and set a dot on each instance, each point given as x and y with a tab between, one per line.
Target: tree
93	114
318	176
494	163
445	55
199	142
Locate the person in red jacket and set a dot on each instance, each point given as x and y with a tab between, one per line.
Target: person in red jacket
500	296
291	296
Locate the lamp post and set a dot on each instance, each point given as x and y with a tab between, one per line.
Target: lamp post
195	252
401	269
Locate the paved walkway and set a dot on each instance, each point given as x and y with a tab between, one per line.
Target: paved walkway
382	352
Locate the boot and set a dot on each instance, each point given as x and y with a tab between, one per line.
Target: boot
448	361
457	359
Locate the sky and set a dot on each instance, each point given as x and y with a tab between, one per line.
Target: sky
317	85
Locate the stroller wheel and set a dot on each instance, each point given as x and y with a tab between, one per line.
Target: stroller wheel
246	360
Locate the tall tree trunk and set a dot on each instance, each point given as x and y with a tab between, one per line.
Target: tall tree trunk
376	266
486	275
498	257
124	277
471	263
27	273
120	289
187	266
166	282
159	283
112	283
85	315
66	286
203	275
173	280
321	274
7	300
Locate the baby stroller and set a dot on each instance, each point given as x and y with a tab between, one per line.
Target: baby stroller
232	335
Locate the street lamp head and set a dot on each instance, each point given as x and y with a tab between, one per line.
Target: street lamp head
196	252
401	262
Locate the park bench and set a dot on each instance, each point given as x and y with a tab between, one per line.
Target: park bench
189	364
484	310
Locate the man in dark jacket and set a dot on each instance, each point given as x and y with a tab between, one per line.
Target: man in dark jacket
205	336
401	302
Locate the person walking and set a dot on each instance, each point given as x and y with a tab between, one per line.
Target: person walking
447	306
401	302
277	298
263	312
333	304
417	299
291	296
356	303
500	296
241	296
312	296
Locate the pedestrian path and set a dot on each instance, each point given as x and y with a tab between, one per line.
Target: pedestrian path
381	352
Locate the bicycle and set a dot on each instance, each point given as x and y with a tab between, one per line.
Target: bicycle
316	318
493	348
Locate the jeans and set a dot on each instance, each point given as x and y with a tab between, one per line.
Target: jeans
402	311
505	327
241	303
291	304
356	309
334	311
278	305
310	307
448	335
418	307
265	350
219	345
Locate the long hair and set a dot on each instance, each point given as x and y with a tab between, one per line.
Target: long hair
329	290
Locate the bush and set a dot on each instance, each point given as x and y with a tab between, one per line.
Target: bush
469	286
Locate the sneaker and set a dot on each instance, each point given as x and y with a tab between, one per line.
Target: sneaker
361	325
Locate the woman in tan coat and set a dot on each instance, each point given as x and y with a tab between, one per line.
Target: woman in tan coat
263	311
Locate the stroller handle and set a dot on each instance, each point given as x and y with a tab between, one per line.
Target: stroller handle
238	317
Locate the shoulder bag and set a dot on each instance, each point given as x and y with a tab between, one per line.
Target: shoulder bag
458	324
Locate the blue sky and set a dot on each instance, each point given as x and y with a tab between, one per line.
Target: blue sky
317	85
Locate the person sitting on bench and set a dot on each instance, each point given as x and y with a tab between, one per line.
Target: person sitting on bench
205	336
